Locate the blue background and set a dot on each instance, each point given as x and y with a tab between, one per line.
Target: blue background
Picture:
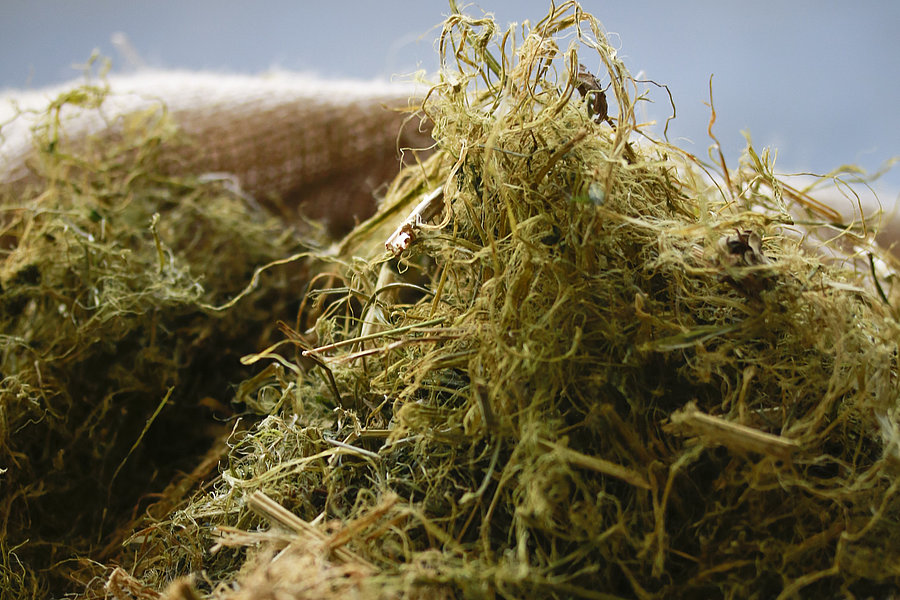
818	80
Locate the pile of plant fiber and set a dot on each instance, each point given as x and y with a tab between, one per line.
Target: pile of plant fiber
591	365
116	367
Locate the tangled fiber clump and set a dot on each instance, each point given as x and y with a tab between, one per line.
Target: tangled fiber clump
601	374
589	367
114	347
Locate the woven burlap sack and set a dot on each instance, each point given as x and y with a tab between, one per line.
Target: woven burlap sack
295	142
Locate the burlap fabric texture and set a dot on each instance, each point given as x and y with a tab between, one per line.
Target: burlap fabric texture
292	141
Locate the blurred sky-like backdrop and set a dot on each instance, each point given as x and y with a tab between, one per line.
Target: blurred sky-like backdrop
818	80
